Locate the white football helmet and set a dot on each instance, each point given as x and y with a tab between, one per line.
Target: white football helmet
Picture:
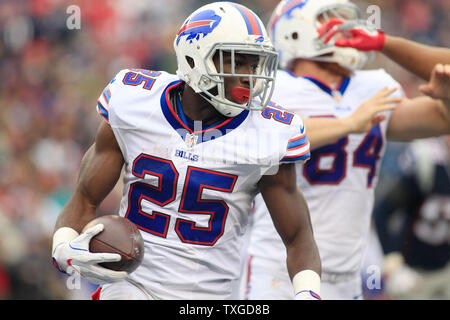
225	27
293	30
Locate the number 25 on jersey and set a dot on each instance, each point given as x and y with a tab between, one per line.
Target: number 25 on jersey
196	180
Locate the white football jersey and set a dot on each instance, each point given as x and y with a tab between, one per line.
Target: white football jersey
338	181
190	189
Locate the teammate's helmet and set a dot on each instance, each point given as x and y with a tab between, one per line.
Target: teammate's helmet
218	28
293	30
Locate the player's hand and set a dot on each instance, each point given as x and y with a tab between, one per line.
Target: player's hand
367	115
356	36
400	279
439	85
74	258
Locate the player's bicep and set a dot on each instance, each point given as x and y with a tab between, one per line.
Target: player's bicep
101	166
421	117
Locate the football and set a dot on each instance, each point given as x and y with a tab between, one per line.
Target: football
119	236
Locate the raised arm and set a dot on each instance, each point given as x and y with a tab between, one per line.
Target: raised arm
421	117
418	58
290	215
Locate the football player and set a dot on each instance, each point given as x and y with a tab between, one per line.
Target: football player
413	223
323	84
196	147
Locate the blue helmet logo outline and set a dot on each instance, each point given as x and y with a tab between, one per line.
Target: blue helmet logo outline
200	25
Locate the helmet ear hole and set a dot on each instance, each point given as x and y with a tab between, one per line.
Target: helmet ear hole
294	35
190	61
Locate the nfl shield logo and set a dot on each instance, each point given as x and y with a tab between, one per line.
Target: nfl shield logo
190	140
337	95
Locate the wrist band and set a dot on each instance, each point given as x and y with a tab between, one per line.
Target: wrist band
306	280
64	234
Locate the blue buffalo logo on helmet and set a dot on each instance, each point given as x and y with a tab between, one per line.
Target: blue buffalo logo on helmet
199	25
287	9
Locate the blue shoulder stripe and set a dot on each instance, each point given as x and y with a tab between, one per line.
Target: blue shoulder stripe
107	94
306	156
297	142
103	112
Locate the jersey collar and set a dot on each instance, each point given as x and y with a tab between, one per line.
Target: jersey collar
185	129
339	91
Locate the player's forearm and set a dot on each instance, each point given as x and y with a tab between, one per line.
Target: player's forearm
73	217
418	58
445	104
301	248
304	266
99	173
76	213
303	254
323	131
436	118
419	118
443	107
100	170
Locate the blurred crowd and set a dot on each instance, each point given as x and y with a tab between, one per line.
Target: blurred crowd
52	73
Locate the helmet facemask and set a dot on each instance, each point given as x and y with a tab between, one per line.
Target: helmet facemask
349	58
260	79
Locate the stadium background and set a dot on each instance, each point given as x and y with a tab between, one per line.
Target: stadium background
50	79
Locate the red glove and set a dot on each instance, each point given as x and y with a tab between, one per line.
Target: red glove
359	36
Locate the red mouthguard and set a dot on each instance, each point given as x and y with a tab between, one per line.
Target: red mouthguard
240	95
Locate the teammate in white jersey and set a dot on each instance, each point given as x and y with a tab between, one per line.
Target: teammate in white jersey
196	148
322	82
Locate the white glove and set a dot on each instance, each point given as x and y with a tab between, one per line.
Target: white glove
74	257
399	278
